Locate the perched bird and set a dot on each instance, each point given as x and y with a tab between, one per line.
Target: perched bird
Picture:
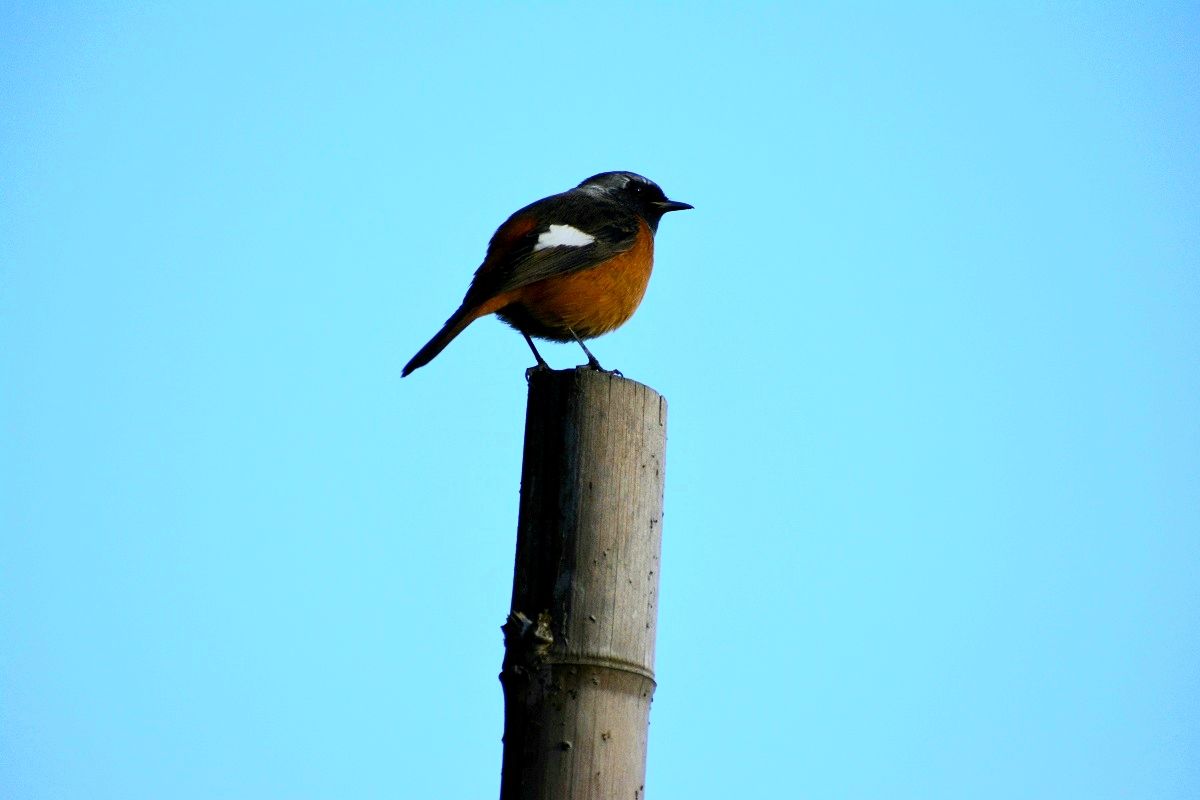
569	267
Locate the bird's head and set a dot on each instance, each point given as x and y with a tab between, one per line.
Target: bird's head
640	193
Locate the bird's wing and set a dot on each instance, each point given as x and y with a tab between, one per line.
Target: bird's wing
555	236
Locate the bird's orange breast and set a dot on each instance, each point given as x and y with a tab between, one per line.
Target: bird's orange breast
589	302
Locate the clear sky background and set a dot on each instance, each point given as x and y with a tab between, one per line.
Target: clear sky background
929	341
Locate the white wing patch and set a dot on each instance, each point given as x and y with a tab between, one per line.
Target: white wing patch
563	236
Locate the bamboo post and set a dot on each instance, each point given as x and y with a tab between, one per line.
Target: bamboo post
578	672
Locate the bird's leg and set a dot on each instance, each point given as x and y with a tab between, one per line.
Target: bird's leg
541	362
592	362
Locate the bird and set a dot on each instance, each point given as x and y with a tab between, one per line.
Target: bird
568	267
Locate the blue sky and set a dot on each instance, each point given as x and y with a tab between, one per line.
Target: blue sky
929	341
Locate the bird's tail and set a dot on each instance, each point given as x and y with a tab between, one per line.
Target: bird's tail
454	326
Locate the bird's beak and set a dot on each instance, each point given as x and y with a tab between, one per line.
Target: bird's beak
671	205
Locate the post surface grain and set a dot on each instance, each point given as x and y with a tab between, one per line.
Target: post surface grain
578	671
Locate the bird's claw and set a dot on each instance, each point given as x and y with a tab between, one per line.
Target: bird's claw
541	366
593	364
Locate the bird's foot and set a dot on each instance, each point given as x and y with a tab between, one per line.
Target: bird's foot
541	366
593	364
